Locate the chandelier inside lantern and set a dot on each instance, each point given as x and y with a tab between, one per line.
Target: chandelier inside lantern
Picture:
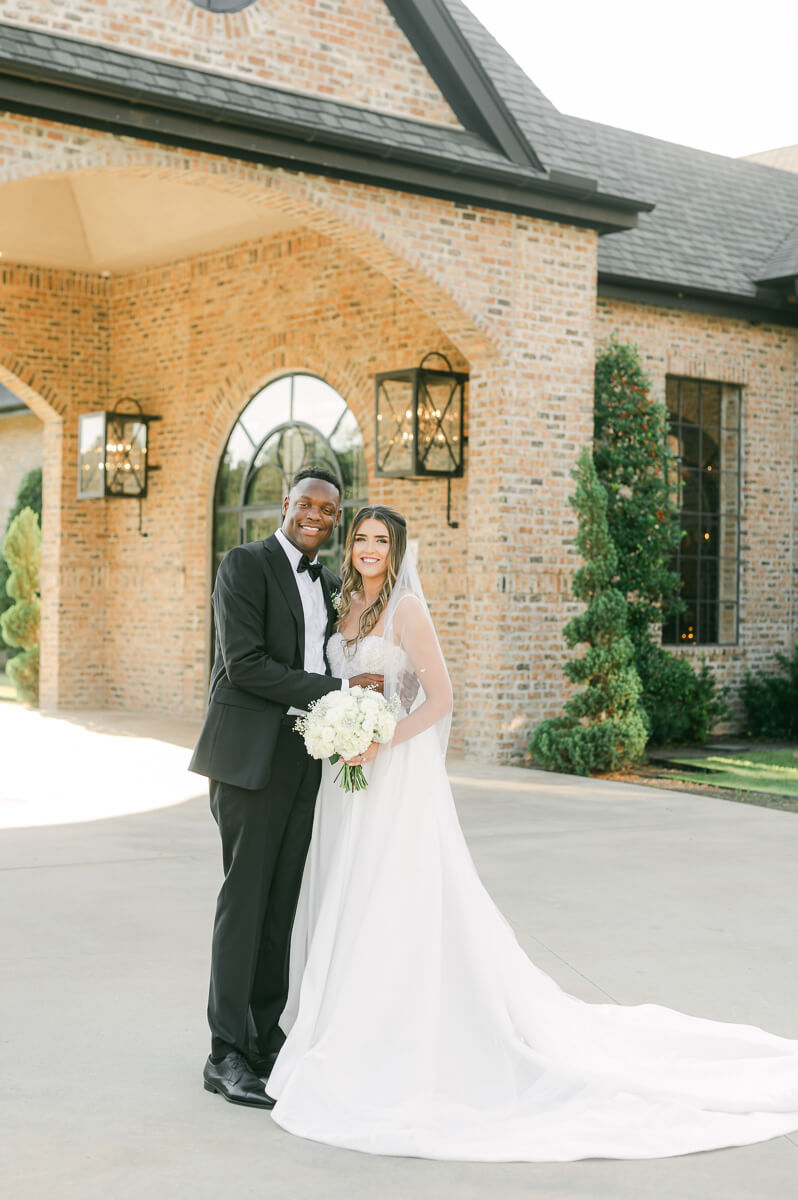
112	452
419	426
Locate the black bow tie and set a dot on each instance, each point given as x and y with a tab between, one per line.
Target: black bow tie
313	568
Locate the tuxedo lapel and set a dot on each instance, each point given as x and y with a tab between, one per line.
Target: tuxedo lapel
286	580
329	584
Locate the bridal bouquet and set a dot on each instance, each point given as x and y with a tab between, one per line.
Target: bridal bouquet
344	724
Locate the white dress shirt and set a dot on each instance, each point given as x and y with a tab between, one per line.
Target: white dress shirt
314	608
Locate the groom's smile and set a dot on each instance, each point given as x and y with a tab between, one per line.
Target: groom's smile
310	514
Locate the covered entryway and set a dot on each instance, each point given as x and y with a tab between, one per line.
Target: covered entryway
252	320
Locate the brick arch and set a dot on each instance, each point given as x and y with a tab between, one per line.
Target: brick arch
44	401
278	356
40	397
347	213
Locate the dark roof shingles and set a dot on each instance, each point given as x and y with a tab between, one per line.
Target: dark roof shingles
719	224
180	87
716	222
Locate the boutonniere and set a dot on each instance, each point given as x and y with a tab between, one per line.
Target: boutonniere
337	602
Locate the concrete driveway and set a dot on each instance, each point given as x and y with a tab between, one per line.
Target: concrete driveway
619	892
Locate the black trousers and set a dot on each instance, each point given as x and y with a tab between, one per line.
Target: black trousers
265	838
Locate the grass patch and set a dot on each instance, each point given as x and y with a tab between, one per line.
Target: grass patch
773	771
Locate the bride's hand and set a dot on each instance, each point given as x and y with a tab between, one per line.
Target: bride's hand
368	756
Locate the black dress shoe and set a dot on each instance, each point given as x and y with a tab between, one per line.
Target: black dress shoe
234	1079
262	1064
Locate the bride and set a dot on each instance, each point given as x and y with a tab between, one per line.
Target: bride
415	1023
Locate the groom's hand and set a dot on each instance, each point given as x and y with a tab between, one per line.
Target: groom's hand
376	682
409	684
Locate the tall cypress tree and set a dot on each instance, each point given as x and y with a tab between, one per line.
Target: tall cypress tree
604	728
636	466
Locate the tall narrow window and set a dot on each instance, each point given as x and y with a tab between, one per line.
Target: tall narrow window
705	438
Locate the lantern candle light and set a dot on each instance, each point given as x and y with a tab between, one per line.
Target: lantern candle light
420	421
112	452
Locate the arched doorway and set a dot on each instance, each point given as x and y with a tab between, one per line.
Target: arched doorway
296	421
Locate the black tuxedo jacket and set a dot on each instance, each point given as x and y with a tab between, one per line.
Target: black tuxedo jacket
258	667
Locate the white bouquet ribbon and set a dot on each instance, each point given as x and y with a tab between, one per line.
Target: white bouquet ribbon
342	725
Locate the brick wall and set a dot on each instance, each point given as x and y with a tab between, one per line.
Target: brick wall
54	354
21	449
371	280
195	343
763	359
347	50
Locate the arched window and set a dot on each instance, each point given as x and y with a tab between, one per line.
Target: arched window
294	422
223	6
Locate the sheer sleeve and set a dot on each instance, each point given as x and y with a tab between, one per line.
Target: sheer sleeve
414	633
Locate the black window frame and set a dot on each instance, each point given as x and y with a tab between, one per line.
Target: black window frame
694	627
222	8
243	510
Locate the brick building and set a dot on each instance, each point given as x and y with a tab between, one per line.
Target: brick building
239	217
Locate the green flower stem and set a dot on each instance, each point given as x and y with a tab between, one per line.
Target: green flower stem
352	778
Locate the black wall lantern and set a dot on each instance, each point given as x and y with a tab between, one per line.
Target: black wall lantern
420	421
420	424
112	452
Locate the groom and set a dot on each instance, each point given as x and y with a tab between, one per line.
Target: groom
273	610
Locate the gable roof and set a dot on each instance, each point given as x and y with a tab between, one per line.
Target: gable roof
782	266
690	229
717	221
451	59
102	87
720	228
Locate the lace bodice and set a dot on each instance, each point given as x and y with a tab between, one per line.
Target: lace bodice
367	657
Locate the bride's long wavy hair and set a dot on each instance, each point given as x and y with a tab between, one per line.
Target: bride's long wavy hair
351	579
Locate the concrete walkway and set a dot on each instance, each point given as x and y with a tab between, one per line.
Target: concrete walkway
619	892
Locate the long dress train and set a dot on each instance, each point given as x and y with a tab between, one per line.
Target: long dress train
417	1026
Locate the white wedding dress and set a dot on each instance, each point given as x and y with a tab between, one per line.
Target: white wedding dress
417	1026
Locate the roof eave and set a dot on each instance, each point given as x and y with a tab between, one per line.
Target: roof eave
75	103
767	306
788	280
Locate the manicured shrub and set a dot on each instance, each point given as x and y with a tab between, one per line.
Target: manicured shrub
770	699
29	495
682	704
603	728
22	550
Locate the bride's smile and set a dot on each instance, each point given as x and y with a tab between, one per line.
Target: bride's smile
370	551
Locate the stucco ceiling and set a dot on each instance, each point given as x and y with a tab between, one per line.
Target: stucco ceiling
107	222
